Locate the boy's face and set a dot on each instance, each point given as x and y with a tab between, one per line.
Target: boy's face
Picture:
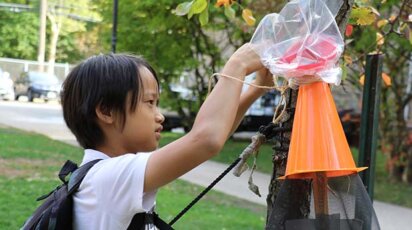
143	126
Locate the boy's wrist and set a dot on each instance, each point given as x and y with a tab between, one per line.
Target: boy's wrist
235	68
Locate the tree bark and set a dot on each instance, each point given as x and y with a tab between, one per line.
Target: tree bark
281	148
55	32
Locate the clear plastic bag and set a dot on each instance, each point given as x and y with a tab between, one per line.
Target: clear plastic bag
302	43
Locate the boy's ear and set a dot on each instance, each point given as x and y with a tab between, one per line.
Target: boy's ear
104	114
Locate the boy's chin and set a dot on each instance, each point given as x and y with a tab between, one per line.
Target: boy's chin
149	148
154	148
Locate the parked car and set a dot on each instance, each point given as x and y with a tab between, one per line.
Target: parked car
172	119
38	85
6	86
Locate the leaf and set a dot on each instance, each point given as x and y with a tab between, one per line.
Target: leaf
183	8
248	17
362	79
382	23
392	18
363	16
349	30
204	17
190	14
348	41
344	72
386	79
402	26
375	11
348	59
225	3
198	6
220	3
379	39
410	36
230	12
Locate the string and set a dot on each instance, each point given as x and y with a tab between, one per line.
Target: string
237	79
281	88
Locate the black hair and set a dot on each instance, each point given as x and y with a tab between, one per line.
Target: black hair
104	80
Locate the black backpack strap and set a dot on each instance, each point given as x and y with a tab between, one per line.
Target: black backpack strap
138	221
141	219
159	223
67	168
77	176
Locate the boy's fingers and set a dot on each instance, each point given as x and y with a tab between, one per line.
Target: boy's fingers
262	72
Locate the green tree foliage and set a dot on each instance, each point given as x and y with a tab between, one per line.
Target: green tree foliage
19	30
386	28
179	49
18	33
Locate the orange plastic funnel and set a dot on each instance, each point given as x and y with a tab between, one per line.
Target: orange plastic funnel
318	142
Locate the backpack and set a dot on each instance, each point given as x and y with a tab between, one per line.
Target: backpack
56	212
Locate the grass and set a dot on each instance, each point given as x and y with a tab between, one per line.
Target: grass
29	164
385	190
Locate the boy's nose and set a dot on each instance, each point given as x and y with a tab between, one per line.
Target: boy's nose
159	117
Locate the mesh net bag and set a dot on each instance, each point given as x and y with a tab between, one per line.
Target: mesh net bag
302	43
349	206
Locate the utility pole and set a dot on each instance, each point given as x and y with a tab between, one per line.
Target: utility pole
42	35
114	28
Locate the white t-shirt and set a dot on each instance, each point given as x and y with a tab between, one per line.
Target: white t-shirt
111	193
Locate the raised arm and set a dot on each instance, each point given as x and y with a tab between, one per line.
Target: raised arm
263	78
211	128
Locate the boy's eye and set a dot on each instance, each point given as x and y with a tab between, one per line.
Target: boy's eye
152	102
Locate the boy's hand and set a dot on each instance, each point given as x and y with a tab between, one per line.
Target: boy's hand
264	77
246	59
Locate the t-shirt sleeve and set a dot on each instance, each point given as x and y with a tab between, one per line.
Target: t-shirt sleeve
121	182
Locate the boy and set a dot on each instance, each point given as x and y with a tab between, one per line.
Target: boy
110	104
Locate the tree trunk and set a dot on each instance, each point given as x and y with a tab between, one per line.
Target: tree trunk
281	149
275	215
55	32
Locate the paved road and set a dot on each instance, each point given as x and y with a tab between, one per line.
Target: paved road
47	119
42	118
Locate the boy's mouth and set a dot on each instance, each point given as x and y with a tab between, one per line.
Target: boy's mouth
157	132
